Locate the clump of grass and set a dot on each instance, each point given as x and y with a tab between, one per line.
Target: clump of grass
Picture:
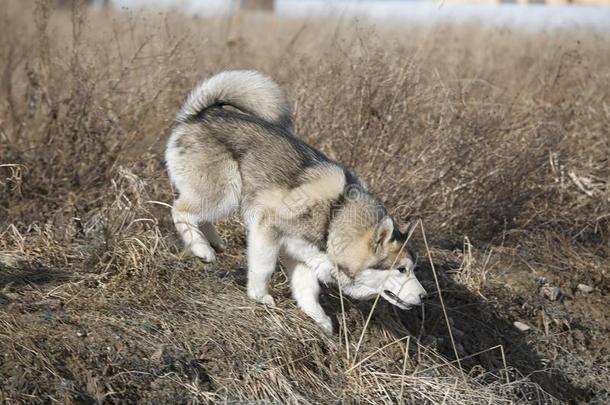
496	141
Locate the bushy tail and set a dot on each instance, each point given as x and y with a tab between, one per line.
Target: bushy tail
247	90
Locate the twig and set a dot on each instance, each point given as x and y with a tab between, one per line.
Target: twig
404	369
344	322
440	297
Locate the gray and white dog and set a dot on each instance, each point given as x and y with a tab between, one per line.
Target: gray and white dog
232	148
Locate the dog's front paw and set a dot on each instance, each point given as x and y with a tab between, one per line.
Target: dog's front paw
326	324
203	251
265	299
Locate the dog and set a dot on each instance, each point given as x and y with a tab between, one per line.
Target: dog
233	148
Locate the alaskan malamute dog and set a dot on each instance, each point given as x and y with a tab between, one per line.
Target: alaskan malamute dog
232	148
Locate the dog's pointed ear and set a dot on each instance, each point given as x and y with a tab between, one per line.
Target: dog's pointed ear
384	231
408	228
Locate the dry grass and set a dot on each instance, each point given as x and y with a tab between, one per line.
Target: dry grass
498	141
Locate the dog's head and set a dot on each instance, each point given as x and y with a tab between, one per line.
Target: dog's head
377	260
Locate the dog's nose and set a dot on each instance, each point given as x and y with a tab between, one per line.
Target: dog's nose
415	300
423	295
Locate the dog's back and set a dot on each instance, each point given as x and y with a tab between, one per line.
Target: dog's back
233	146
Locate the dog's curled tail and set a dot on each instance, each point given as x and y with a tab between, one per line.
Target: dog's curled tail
246	90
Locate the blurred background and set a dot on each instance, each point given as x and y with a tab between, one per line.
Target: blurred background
526	14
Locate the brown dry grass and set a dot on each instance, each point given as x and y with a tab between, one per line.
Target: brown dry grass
498	141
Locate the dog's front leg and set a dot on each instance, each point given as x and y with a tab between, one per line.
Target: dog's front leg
315	259
263	250
306	290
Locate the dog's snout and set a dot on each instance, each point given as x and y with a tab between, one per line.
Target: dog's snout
414	299
419	296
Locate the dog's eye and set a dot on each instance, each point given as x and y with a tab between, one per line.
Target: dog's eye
402	269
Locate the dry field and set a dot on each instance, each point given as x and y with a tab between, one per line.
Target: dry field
497	141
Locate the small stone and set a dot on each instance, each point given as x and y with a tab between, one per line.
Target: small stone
551	292
521	326
585	288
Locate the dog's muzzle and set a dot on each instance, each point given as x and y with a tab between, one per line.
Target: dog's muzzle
395	300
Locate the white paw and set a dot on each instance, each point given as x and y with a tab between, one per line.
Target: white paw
323	267
204	251
262	298
268	300
326	324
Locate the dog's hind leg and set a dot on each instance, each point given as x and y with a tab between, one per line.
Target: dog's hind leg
306	290
186	217
263	250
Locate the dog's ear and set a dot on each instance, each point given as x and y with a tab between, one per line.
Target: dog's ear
408	228
384	231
